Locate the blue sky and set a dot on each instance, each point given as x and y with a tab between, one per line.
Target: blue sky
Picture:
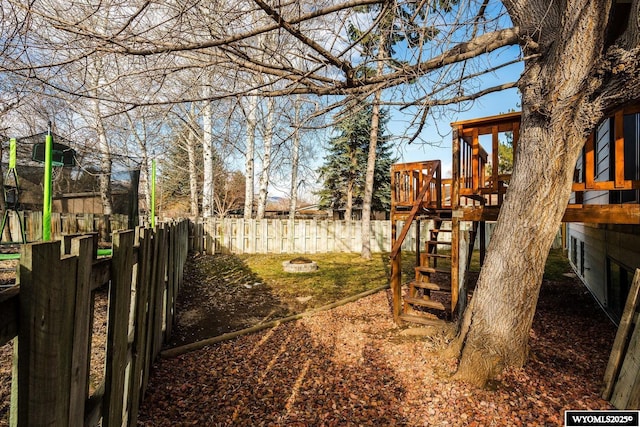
438	131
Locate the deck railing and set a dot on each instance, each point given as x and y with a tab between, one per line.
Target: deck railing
408	181
476	169
619	177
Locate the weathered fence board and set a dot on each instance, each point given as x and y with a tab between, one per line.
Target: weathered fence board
51	313
118	327
140	342
47	299
83	249
622	376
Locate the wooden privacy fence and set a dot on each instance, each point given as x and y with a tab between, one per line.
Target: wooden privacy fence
50	312
309	236
61	224
240	236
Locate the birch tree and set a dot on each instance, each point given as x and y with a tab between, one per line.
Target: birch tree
267	147
295	161
207	156
252	122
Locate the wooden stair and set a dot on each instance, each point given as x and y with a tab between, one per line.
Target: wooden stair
422	320
419	305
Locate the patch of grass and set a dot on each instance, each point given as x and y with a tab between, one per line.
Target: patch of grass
339	275
557	265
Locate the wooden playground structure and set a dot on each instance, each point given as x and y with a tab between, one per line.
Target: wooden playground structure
461	205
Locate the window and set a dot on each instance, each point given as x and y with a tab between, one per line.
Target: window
619	280
574	251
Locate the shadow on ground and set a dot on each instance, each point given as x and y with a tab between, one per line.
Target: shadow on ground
222	294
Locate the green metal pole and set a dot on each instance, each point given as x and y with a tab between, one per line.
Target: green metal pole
153	193
12	153
46	203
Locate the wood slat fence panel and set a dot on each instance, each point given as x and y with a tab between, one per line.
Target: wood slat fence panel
50	313
310	236
61	224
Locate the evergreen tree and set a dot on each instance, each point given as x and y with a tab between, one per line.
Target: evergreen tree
343	172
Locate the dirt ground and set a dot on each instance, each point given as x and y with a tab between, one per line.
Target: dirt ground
350	365
353	366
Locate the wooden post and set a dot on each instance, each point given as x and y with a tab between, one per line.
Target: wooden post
139	368
118	327
455	169
160	287
495	158
150	274
438	177
83	249
461	282
418	242
455	222
455	261
475	161
589	162
171	246
45	351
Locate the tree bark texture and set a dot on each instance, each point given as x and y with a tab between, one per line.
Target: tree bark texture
250	156
207	157
365	252
266	159
104	181
295	160
193	172
563	100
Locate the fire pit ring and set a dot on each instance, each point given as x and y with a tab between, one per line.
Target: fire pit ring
299	265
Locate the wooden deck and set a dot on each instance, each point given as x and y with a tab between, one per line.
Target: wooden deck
474	194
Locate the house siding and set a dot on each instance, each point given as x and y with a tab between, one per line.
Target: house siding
597	253
620	244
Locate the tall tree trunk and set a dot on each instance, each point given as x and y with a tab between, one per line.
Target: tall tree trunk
252	114
207	157
348	209
365	252
193	172
105	174
295	159
145	184
266	159
558	91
